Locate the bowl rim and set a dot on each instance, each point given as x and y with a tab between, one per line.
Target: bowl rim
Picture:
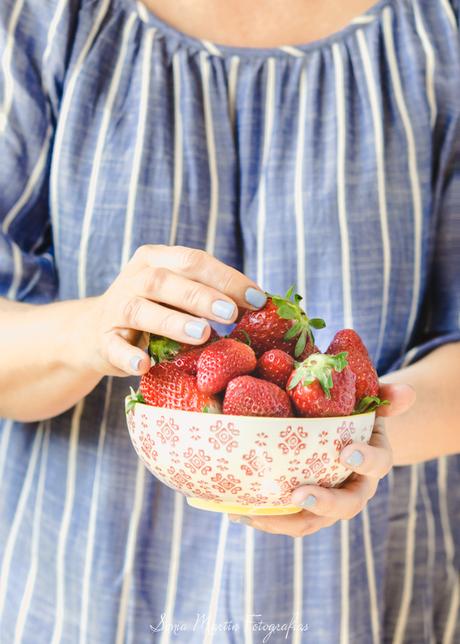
255	418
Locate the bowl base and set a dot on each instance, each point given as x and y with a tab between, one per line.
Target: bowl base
236	508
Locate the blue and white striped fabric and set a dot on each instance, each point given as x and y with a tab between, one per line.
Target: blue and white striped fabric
335	166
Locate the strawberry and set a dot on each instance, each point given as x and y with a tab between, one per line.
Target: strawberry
221	361
367	381
275	366
249	396
164	385
280	324
309	349
184	356
323	385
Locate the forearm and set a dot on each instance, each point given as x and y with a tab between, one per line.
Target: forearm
431	427
42	371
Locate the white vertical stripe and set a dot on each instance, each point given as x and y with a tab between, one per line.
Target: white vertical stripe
413	170
6	435
93	512
8	85
298	188
449	13
370	568
449	549
341	198
17	272
430	61
232	81
178	150
138	148
143	13
61	572
362	20
248	585
130	552
34	554
292	51
344	583
18	516
174	561
408	580
214	198
430	538
379	154
31	182
268	128
64	113
212	49
52	30
297	596
93	183
215	590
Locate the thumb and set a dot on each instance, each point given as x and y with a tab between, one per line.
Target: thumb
401	396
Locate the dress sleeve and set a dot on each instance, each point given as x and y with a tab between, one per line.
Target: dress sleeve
35	44
440	323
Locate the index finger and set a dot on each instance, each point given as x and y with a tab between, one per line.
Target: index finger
200	266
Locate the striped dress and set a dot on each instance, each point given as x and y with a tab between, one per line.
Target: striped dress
333	165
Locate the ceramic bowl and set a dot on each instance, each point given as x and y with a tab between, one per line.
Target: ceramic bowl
242	464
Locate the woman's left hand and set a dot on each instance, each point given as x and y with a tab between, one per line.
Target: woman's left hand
368	463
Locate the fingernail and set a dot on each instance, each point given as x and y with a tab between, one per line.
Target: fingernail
135	362
245	520
309	502
195	328
223	309
356	458
255	297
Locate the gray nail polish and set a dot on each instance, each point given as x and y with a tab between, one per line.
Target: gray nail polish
223	309
255	298
195	328
356	458
245	520
135	362
309	502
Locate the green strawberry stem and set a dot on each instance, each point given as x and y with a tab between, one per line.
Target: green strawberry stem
288	308
132	399
319	366
162	348
369	403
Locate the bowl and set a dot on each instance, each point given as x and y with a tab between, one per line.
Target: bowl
243	464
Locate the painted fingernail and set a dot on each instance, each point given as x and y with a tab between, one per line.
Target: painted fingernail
195	328
356	458
255	297
245	520
309	502
223	309
135	362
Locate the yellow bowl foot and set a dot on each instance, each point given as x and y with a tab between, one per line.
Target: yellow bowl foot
236	508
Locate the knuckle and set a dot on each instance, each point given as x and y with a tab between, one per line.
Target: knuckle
155	279
191	258
166	322
227	282
131	311
192	298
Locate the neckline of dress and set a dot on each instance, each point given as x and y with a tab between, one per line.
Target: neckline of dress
148	17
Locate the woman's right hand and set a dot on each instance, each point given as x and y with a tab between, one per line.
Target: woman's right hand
167	290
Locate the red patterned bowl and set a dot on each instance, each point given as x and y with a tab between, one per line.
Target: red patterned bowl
242	464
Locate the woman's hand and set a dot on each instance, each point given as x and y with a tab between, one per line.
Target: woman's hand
167	290
368	463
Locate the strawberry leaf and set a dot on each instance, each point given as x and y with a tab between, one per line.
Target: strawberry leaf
317	323
289	292
132	399
300	344
162	348
293	331
368	404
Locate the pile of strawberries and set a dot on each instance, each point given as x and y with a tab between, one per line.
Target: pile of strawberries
269	365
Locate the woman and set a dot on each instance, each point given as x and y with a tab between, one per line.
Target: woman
131	143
